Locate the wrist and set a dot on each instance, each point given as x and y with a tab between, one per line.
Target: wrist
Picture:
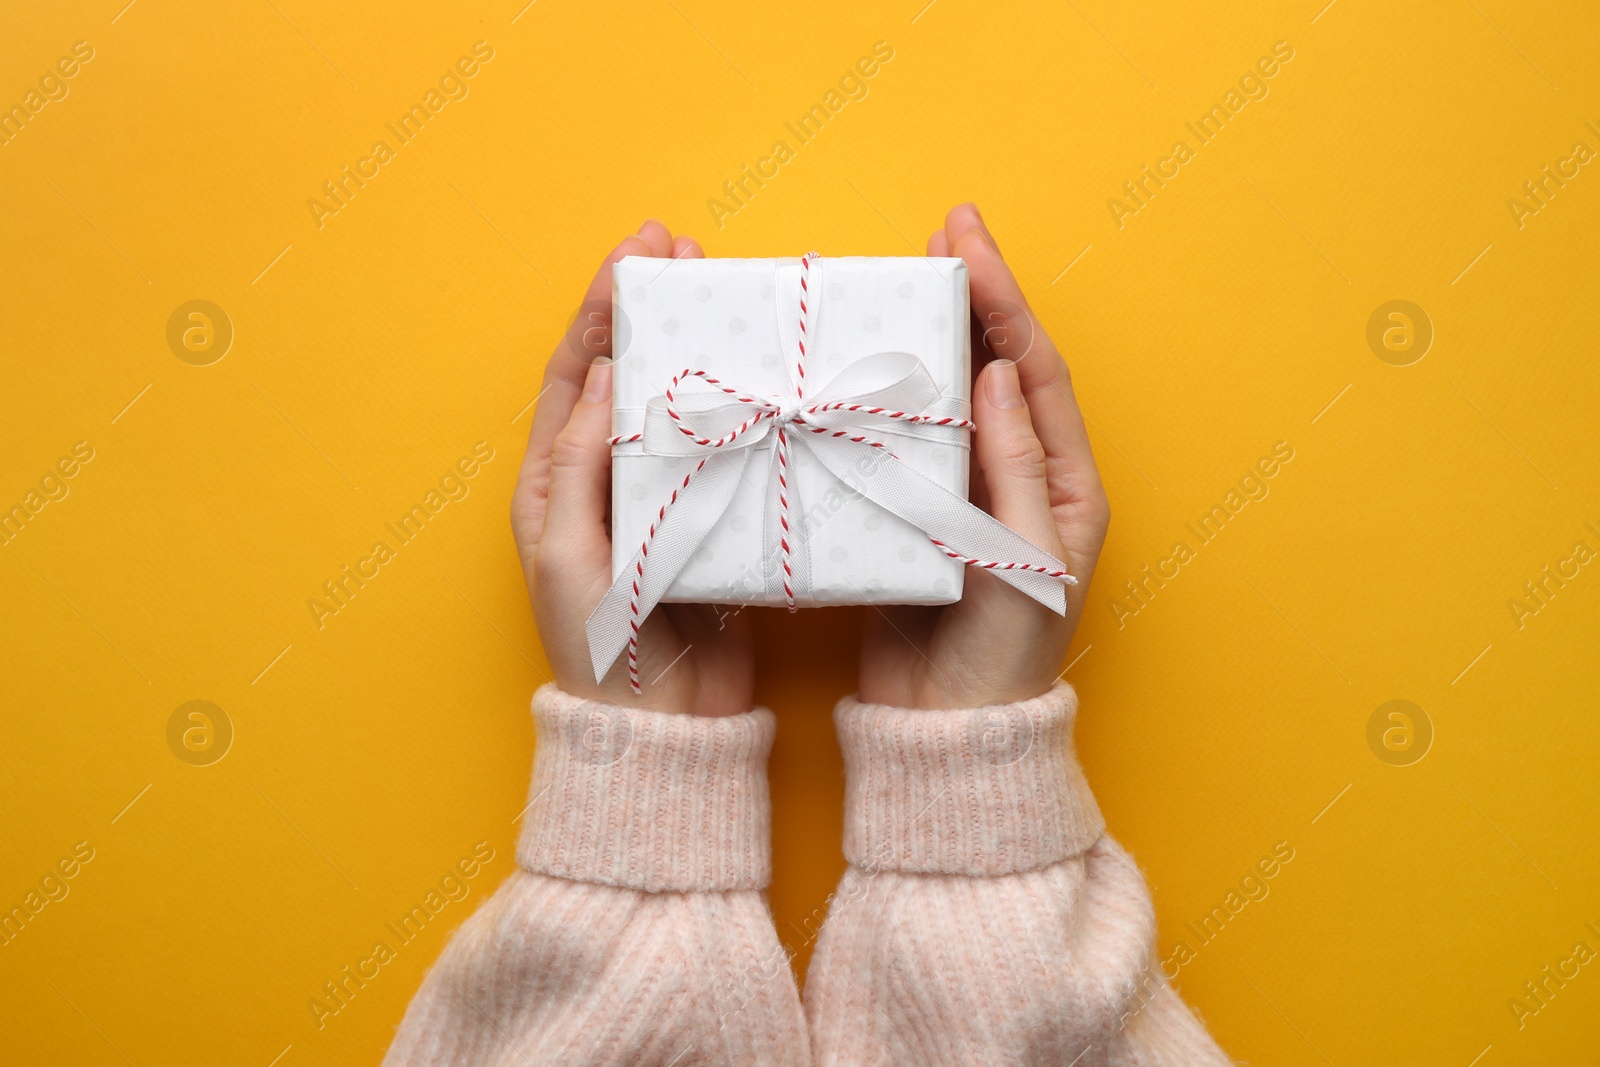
660	700
979	790
645	800
682	689
1005	680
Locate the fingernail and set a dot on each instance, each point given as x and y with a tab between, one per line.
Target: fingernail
981	234
597	384
983	230
1005	388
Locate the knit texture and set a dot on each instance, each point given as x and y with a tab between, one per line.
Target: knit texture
636	932
646	799
984	919
983	791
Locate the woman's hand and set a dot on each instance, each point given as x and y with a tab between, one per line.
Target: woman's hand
692	658
1033	470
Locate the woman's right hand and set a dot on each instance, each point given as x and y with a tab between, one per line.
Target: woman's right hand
1035	472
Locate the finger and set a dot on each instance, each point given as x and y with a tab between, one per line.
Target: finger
964	217
658	237
588	339
584	344
992	332
938	244
1009	327
580	474
1075	489
1011	457
1013	331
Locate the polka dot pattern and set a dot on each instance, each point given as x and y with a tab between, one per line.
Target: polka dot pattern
722	316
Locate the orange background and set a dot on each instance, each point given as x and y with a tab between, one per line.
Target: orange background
1228	313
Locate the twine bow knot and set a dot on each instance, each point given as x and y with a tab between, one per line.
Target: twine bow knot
723	426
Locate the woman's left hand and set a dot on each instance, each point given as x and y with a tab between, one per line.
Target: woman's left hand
692	658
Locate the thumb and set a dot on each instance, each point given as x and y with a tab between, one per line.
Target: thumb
1011	458
580	473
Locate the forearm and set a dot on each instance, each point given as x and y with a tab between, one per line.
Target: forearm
985	918
636	930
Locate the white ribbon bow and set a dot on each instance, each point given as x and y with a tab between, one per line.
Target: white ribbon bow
725	427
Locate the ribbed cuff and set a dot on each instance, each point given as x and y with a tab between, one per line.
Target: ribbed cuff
648	800
976	791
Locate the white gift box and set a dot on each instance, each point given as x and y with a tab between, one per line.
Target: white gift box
733	320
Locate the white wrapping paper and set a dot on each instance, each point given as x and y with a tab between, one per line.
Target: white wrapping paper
723	316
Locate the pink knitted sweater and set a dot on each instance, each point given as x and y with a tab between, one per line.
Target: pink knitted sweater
985	917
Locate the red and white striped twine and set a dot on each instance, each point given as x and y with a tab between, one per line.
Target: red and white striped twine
890	413
638	576
996	565
768	410
783	435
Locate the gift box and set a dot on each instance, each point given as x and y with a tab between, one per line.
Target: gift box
730	318
794	432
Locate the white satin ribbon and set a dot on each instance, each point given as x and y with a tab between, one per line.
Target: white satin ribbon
841	430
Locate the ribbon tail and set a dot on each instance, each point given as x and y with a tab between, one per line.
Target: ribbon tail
687	519
939	513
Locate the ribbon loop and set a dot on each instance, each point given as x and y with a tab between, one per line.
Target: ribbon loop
838	424
883	377
709	417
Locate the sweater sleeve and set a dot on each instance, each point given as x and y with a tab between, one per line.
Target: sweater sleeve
984	916
636	929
